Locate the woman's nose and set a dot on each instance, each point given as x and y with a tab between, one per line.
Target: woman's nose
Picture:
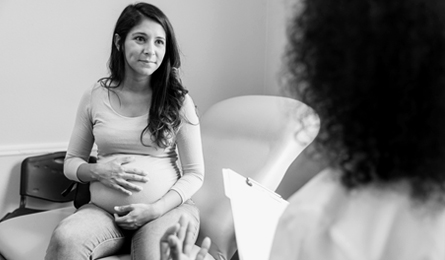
149	49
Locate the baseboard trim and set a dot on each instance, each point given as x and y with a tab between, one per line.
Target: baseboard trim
29	149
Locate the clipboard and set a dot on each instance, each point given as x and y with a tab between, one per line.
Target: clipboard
256	211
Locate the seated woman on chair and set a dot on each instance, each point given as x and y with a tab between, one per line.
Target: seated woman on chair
374	71
140	117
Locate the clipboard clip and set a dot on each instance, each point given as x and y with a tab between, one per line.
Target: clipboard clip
250	182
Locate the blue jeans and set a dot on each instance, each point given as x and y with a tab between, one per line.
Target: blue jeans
90	233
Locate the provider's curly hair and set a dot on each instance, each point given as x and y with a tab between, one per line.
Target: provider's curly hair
374	71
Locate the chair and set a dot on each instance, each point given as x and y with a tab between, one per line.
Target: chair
254	135
42	177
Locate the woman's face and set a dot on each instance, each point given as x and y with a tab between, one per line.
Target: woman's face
144	48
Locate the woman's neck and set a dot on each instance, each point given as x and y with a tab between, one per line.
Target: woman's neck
136	85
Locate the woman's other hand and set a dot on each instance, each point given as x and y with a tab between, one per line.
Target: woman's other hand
134	216
116	175
177	242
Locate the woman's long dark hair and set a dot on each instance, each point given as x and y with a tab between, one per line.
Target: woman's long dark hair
168	91
374	71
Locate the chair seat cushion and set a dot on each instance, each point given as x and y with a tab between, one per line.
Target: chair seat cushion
27	237
20	212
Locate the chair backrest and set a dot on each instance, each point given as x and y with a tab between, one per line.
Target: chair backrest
256	136
42	177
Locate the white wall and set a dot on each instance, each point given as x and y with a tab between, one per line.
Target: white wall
277	15
51	50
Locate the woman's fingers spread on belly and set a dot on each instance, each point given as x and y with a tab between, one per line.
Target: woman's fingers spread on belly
134	177
129	186
135	171
120	188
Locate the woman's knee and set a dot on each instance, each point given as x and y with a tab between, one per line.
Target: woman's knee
63	241
83	235
66	234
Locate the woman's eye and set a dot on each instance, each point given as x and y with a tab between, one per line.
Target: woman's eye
139	39
161	42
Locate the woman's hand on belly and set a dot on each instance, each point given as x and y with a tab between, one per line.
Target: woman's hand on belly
134	216
116	175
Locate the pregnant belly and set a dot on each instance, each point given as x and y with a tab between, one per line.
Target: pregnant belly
162	176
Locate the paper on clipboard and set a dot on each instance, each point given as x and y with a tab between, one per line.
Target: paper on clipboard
256	211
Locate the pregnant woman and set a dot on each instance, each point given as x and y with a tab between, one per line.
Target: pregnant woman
149	150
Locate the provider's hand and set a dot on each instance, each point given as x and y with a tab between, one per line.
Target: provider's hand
177	242
116	175
134	216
